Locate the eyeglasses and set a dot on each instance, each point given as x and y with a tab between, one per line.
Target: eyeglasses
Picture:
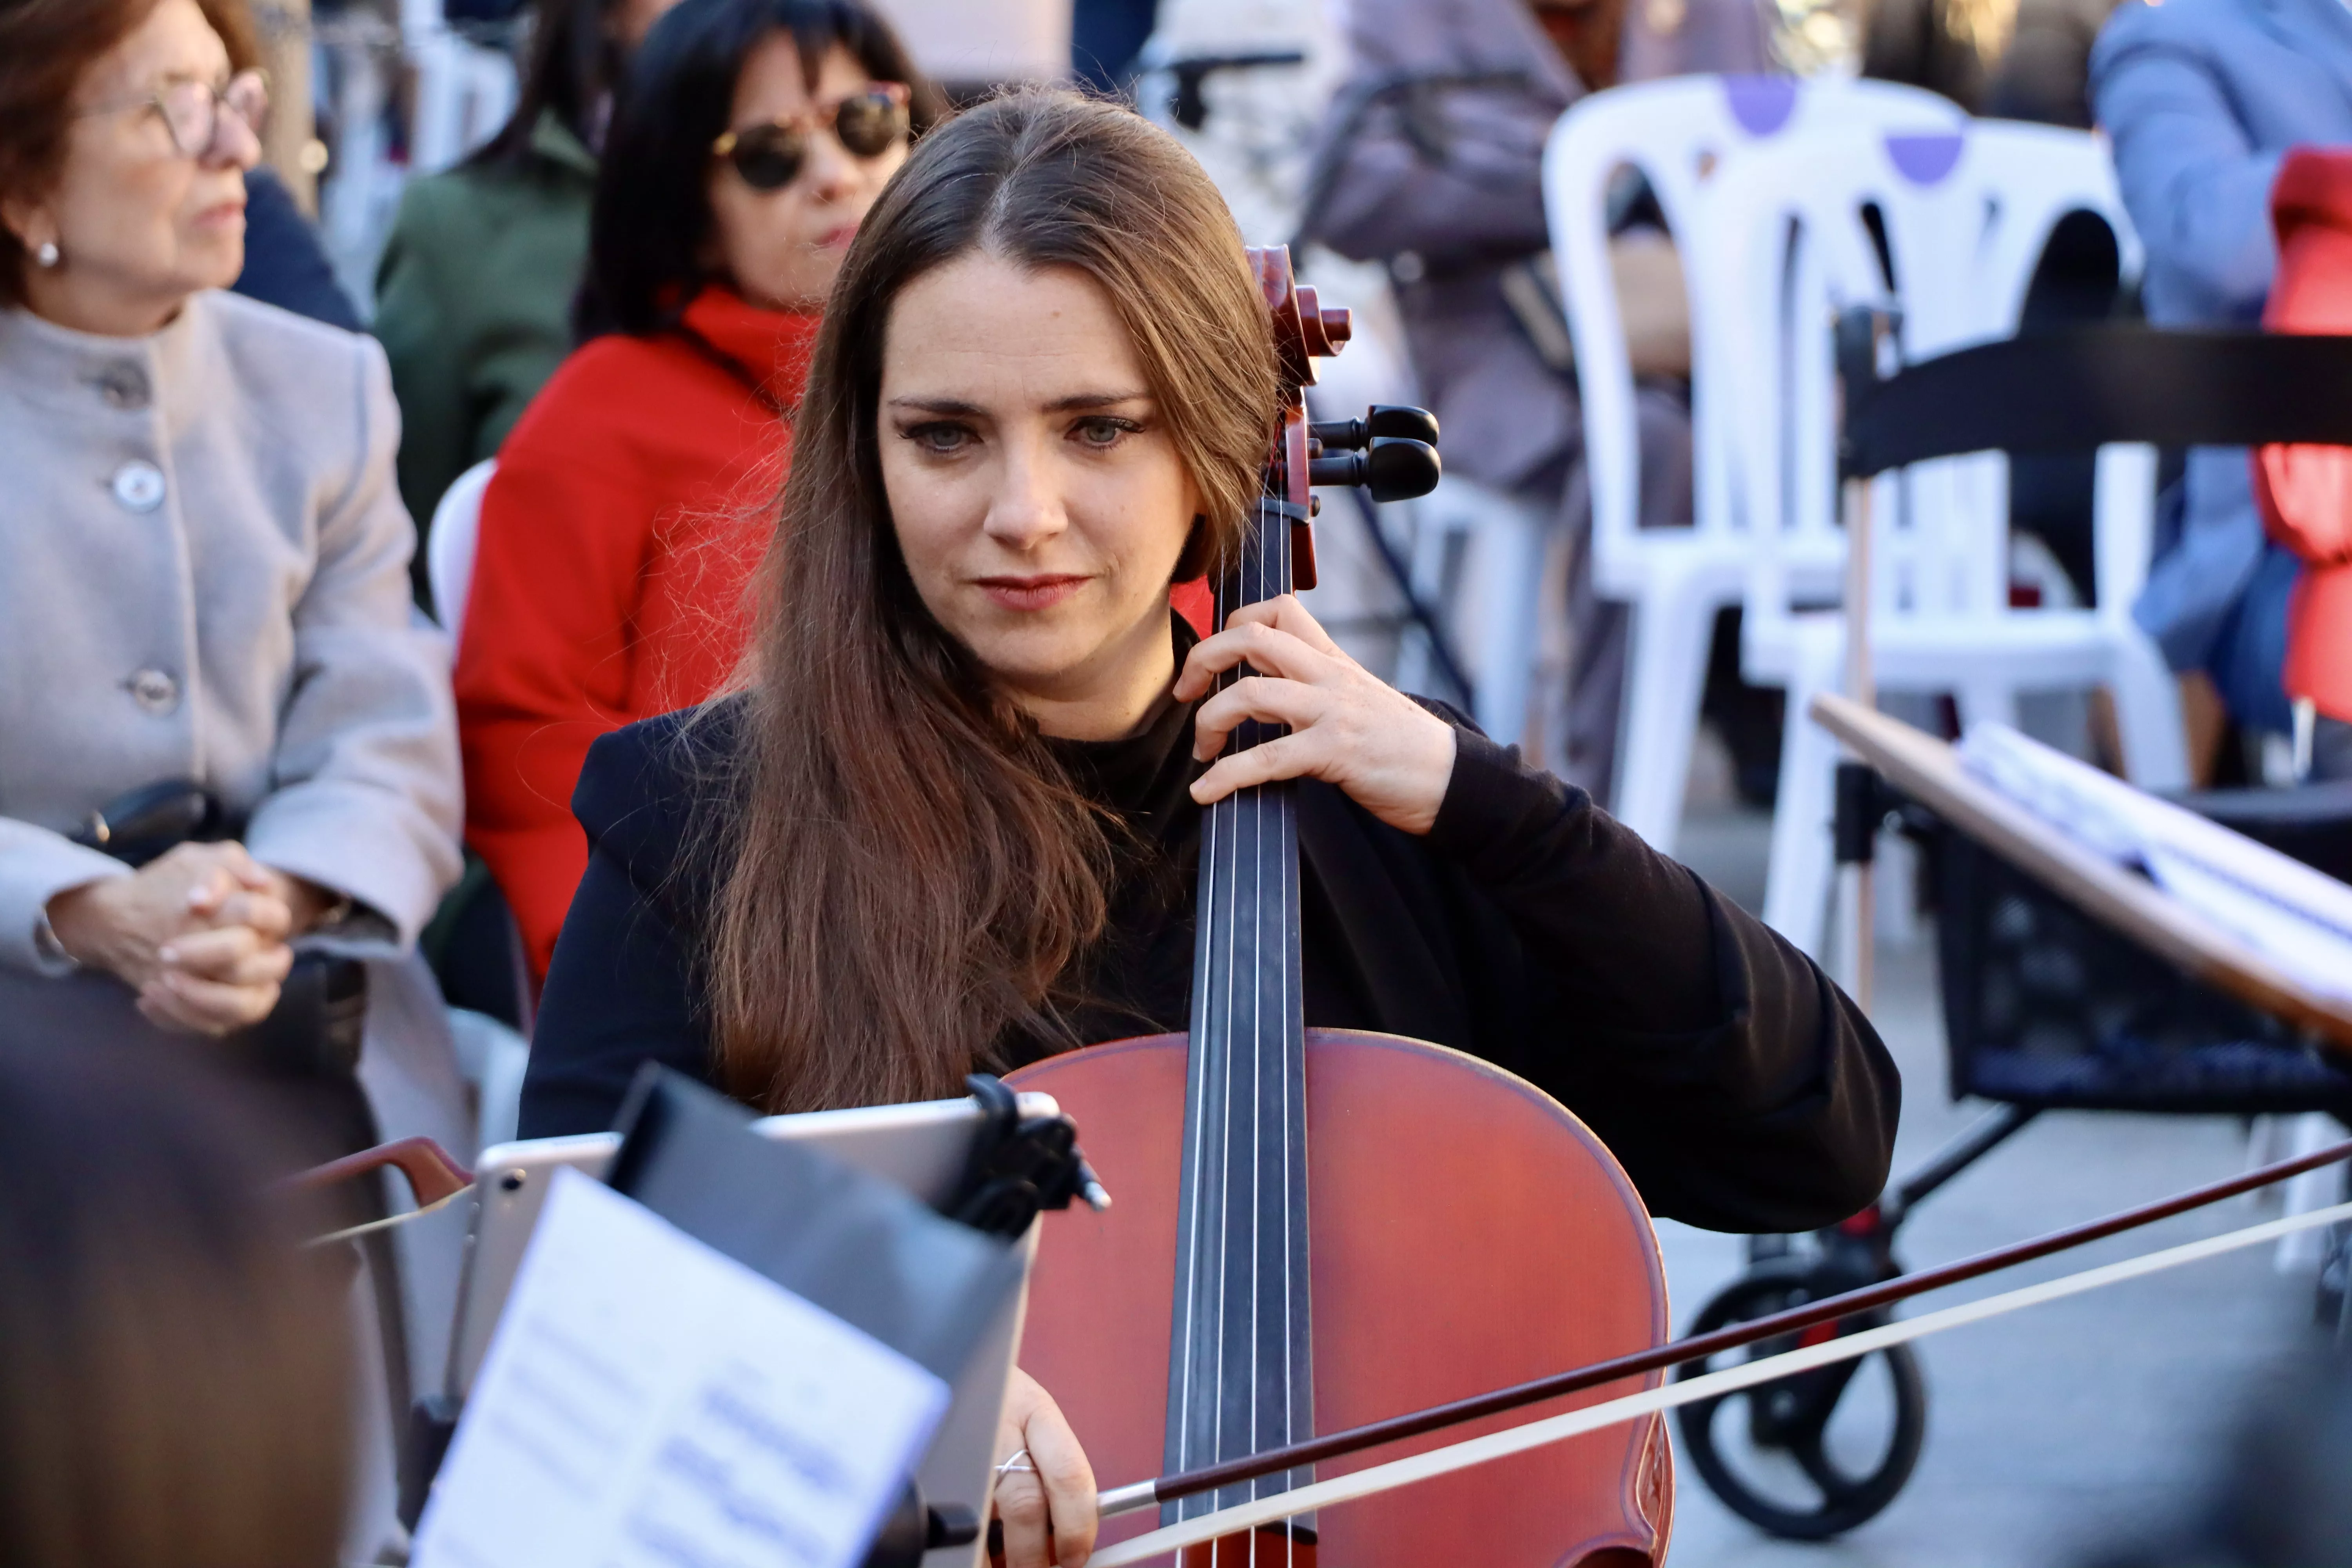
191	109
770	156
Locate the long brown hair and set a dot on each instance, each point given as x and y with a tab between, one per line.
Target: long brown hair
912	873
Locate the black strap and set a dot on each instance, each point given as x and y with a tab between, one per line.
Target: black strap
2082	388
141	825
734	367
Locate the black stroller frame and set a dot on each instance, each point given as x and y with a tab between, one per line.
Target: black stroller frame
2045	1007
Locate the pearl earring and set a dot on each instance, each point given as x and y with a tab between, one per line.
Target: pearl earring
46	253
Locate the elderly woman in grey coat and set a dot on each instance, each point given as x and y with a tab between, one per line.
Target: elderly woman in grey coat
203	578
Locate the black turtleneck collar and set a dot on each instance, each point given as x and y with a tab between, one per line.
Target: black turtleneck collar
1144	777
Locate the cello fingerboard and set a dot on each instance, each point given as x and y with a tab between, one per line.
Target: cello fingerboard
1240	1374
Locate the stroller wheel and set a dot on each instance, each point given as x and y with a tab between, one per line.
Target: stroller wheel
1812	1456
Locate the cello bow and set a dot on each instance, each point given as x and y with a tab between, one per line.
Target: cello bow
1699	1347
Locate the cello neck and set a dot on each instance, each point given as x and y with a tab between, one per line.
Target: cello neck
1240	1374
1241	1377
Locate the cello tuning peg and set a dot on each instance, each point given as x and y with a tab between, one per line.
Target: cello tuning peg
1393	469
1398	422
1324	331
1383	422
1339	325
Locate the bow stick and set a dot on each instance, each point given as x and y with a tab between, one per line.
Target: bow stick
1144	1494
1689	1391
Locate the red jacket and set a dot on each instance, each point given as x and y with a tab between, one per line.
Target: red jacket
2306	492
630	505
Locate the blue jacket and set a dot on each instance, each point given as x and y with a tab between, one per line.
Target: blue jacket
2201	99
284	264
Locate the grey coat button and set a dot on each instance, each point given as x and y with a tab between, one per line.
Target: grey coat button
154	691
139	485
123	384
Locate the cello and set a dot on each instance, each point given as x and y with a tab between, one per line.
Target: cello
1316	1229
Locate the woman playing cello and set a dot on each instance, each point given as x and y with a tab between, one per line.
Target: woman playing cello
947	822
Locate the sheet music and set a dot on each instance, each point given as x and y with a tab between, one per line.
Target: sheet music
2300	918
649	1403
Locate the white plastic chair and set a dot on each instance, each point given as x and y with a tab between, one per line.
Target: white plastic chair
1965	218
449	545
1678	134
1478	553
493	1056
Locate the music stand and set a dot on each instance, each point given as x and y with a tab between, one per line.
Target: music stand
2073	390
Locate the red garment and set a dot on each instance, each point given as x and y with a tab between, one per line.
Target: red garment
2306	492
630	505
1196	603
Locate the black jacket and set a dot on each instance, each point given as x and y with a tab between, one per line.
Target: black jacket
1740	1089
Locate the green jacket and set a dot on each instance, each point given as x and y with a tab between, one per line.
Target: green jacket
474	305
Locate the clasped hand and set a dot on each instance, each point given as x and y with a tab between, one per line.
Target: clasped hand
1348	727
199	932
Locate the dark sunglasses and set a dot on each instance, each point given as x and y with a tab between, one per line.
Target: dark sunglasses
866	124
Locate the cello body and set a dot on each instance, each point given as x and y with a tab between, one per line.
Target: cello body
1467	1233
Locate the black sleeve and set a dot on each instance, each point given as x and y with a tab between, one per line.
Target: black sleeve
622	988
1740	1089
619	993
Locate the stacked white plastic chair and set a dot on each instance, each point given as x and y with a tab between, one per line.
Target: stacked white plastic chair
1964	216
1678	134
465	89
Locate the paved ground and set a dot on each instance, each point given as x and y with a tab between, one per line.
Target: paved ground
2066	1427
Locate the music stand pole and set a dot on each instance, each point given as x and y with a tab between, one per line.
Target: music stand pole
1860	684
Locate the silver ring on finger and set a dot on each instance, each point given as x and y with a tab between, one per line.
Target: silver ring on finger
1018	1464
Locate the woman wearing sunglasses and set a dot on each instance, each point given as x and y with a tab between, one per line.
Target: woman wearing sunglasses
627	510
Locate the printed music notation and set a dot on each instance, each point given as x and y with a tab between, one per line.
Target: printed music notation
649	1403
2299	919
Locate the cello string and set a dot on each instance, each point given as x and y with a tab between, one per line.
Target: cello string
1222	1050
1197	1071
1553	1429
1285	1023
1273	553
1288	1022
1204	1271
1293	1159
1256	874
1250	924
1221	1046
1269	836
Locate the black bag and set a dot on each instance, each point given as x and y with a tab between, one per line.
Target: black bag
2045	1007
